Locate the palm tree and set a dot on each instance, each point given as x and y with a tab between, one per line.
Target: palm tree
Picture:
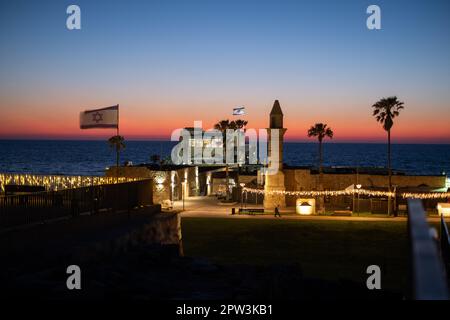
118	143
385	110
223	126
240	124
321	131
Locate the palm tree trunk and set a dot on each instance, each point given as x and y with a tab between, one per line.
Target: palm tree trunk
227	174
389	171
117	161
320	161
117	157
227	181
321	199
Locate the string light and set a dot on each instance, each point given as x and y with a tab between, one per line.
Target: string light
350	192
55	182
430	195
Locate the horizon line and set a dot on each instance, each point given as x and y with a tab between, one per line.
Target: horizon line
312	141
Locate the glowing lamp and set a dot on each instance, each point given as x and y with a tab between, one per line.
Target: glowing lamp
444	209
305	206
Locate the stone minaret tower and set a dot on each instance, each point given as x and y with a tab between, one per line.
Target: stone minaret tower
275	182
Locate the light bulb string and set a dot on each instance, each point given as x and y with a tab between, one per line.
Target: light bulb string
351	192
55	182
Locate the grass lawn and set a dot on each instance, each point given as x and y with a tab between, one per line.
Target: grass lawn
331	250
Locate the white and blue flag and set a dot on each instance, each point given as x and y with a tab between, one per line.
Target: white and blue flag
238	111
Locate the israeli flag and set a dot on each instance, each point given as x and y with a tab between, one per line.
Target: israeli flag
100	118
238	111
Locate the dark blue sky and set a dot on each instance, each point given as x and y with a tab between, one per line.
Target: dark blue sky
161	58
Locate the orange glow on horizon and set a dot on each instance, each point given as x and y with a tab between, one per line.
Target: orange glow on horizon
144	123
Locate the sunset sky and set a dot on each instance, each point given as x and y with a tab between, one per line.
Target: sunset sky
171	62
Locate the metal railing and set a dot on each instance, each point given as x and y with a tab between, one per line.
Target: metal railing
18	210
428	272
445	244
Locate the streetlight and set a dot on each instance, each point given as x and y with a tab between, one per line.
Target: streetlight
395	201
358	186
183	185
242	194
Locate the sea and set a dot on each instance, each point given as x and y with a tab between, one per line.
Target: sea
90	158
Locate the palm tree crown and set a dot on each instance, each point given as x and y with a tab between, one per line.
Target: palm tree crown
320	131
240	124
117	142
223	125
387	109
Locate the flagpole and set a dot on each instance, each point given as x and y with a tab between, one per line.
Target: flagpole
117	119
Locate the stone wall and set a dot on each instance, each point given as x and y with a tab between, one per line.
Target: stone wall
302	179
161	180
90	237
162	229
162	186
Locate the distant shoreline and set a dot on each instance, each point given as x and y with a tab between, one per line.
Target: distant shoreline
286	142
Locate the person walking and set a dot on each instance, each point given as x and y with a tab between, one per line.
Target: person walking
277	212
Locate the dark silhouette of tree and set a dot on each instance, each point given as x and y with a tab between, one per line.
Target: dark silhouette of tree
385	110
118	143
223	126
321	131
240	124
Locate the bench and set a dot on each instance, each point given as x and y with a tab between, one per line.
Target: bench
342	213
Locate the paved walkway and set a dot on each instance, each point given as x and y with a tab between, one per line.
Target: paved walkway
209	207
